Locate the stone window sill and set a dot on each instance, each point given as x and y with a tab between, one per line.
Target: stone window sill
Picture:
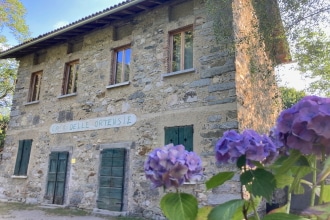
118	85
18	177
65	96
31	103
178	72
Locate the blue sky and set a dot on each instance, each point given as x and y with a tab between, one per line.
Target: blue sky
46	15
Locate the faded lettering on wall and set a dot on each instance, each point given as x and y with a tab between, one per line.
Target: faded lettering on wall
93	124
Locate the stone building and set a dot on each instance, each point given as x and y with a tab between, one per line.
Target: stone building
94	97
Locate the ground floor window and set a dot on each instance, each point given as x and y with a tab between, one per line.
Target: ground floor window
23	157
180	135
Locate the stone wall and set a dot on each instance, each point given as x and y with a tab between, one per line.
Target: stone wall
205	98
257	94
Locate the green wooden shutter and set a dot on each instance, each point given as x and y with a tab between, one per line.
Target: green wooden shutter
56	177
111	179
180	135
61	177
19	157
171	135
52	167
186	137
23	157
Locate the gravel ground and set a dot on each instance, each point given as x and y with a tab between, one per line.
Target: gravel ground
41	215
21	211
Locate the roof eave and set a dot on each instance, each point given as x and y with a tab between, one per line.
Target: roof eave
6	54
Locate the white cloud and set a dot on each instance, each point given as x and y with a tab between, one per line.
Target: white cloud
60	24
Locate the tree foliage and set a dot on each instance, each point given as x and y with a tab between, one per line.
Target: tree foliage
290	96
4	119
305	22
12	14
302	16
313	56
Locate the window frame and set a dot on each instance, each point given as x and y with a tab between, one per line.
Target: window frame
35	87
113	74
66	78
22	160
182	51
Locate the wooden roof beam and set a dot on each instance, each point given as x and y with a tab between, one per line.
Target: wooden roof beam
156	1
142	7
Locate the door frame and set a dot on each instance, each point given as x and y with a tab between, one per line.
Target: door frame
65	189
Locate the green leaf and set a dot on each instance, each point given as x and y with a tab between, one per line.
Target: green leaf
179	206
283	180
299	173
203	212
256	201
241	162
326	193
282	216
298	189
219	179
229	210
259	182
289	162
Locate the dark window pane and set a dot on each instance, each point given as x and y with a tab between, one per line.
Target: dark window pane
176	60
119	66
70	78
188	50
122	66
127	64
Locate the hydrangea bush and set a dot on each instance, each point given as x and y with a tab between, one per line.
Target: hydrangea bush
171	166
282	158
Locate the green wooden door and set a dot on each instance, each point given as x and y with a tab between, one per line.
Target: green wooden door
56	177
111	179
180	135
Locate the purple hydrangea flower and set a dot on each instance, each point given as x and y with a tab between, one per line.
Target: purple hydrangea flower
306	126
172	166
254	146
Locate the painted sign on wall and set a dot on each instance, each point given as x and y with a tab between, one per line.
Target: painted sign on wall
93	124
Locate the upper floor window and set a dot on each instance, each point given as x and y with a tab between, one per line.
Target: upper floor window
181	53
35	85
121	65
70	78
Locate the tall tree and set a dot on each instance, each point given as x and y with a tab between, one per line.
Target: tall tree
12	14
290	96
313	57
305	22
4	119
